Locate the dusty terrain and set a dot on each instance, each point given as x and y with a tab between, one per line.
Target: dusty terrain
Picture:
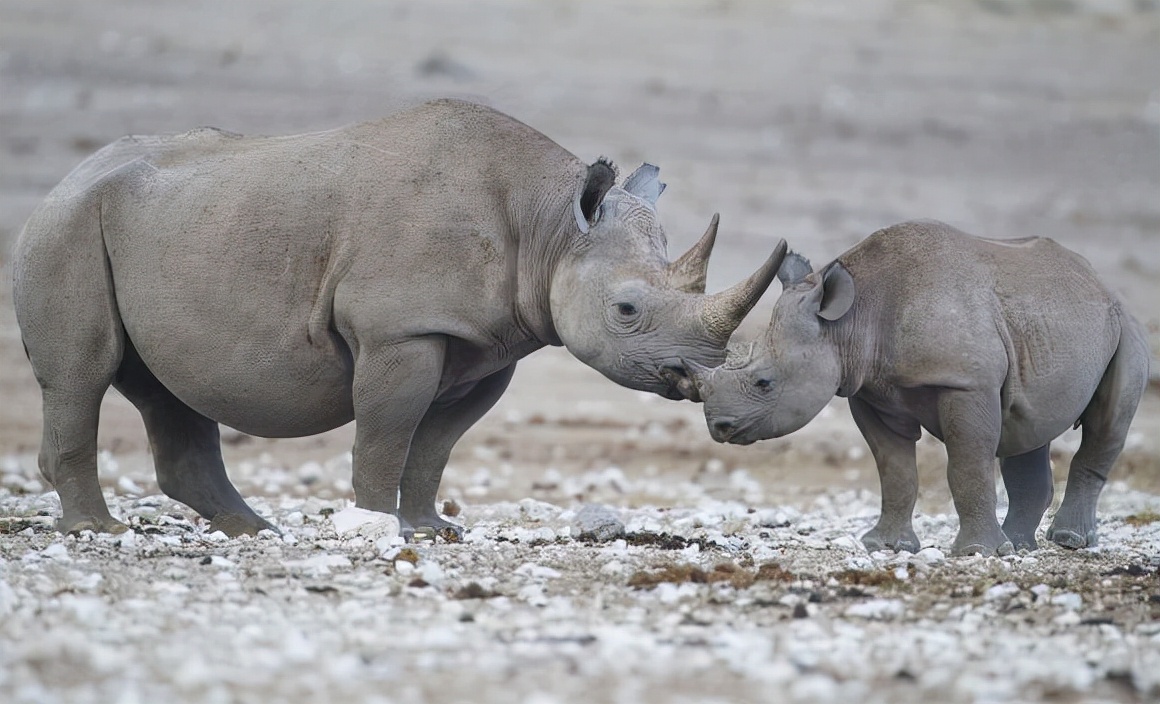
818	122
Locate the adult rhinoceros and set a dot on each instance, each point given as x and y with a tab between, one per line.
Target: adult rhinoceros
391	272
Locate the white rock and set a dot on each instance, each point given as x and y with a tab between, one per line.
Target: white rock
848	543
1001	592
430	572
534	571
373	525
532	594
613	567
219	561
1148	628
598	523
127	540
88	582
129	486
877	609
404	568
1067	618
930	556
1068	600
318	564
216	537
56	551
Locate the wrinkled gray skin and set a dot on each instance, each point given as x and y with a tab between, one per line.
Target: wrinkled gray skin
390	272
993	346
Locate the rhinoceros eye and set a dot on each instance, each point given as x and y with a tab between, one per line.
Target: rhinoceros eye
626	310
763	384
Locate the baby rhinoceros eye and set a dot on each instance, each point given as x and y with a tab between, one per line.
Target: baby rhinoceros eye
763	384
626	310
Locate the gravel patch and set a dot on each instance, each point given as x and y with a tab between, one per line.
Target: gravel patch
708	599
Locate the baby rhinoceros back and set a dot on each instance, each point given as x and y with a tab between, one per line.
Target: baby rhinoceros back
995	347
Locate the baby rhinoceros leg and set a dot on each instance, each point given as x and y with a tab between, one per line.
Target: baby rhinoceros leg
898	473
1105	424
971	425
187	452
1030	489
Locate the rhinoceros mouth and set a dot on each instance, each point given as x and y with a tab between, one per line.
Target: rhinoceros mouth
681	385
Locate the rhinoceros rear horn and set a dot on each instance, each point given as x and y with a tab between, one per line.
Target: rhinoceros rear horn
601	177
688	273
723	312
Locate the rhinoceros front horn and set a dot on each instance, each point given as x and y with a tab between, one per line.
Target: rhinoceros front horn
688	273
723	312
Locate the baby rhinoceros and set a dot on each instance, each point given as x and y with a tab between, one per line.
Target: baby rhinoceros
995	347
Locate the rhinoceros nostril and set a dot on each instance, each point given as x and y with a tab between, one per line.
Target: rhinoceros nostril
724	427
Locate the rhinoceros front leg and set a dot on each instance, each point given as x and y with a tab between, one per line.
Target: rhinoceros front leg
1030	489
440	429
187	454
898	473
394	387
971	422
1105	427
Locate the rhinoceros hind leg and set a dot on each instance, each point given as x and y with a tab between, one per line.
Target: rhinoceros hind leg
186	451
971	425
72	335
1030	489
1105	427
445	422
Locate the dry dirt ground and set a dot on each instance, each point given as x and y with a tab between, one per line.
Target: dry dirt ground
740	577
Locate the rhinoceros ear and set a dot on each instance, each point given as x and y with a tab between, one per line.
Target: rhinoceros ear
586	206
645	183
793	269
837	292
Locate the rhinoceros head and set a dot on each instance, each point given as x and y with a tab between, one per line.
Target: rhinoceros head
621	307
778	383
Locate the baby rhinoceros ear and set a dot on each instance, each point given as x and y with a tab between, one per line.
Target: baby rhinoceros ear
837	292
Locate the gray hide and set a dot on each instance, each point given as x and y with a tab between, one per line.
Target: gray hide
993	346
391	272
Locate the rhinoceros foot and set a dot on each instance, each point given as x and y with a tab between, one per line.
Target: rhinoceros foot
1074	525
982	543
429	527
901	539
98	524
235	524
1072	539
1022	541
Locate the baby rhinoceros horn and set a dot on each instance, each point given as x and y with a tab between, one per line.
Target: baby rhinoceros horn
723	312
688	273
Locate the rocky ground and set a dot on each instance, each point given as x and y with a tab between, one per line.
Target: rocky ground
712	573
713	593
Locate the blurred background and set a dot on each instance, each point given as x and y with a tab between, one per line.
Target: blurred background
818	121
